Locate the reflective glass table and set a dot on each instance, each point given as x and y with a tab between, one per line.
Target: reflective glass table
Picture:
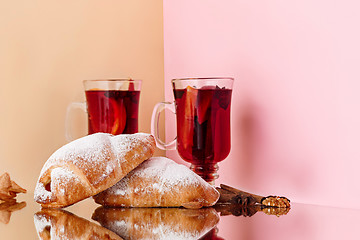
87	220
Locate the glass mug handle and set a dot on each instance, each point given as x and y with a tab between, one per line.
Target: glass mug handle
68	130
155	125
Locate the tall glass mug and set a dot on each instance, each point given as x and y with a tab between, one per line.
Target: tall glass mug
112	106
202	107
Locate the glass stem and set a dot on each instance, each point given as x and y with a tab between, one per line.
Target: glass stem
208	172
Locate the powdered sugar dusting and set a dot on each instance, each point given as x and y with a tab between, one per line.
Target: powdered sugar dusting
119	227
60	176
89	153
168	173
152	223
165	231
123	143
41	222
120	188
86	153
97	156
120	192
93	149
41	194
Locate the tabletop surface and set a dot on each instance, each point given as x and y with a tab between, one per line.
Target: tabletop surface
302	221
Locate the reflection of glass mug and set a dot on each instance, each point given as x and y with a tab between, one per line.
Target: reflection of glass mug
202	108
112	106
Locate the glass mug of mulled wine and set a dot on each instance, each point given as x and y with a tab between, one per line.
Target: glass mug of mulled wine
112	106
202	108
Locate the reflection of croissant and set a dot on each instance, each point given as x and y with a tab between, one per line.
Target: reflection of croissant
90	165
59	224
160	182
6	208
157	223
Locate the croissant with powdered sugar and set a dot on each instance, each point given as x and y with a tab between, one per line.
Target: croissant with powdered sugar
89	165
160	182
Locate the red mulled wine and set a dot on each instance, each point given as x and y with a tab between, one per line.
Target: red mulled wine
112	111
203	126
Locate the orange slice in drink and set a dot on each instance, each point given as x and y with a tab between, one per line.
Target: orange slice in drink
203	104
106	111
187	127
190	101
119	113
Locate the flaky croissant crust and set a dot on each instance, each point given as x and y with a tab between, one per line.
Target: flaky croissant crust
90	165
159	182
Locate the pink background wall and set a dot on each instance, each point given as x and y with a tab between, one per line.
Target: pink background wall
295	111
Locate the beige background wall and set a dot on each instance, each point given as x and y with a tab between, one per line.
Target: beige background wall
47	48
